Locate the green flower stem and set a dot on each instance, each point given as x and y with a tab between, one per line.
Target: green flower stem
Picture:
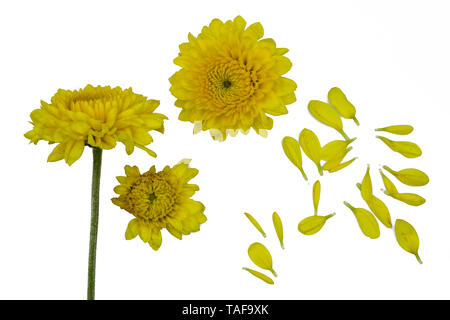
96	169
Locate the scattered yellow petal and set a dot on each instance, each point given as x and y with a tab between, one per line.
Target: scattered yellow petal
260	275
405	148
292	150
255	223
407	237
278	227
260	256
311	146
313	224
316	195
410	176
324	113
367	222
340	102
397	129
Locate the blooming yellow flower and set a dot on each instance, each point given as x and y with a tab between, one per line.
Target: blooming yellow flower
95	116
160	200
231	79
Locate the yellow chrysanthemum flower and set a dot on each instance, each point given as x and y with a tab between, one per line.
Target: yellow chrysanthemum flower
160	200
230	79
95	116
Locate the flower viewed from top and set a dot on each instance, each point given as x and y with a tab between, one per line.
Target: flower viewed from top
231	79
160	200
97	117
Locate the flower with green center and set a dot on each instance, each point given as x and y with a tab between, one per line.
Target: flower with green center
160	200
231	79
97	117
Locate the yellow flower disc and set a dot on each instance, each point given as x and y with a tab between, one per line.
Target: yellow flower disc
407	237
160	200
95	116
231	79
260	256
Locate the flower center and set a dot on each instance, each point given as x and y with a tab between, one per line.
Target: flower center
152	197
226	84
230	83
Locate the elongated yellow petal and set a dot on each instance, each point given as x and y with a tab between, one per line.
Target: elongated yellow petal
260	256
292	150
410	176
311	146
342	165
407	237
333	148
340	102
313	224
405	148
390	187
255	223
367	222
316	195
366	185
324	113
409	198
379	209
337	159
260	275
397	129
278	227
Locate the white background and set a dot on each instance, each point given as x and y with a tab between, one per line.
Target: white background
391	58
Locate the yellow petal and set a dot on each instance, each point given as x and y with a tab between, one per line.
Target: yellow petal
324	113
278	227
407	237
260	275
367	222
316	195
255	30
405	148
255	223
74	150
311	146
366	185
57	153
339	101
409	198
313	224
332	148
155	239
397	129
390	187
132	229
260	256
292	150
410	176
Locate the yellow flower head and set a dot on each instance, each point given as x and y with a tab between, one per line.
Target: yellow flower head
231	79
160	200
95	116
